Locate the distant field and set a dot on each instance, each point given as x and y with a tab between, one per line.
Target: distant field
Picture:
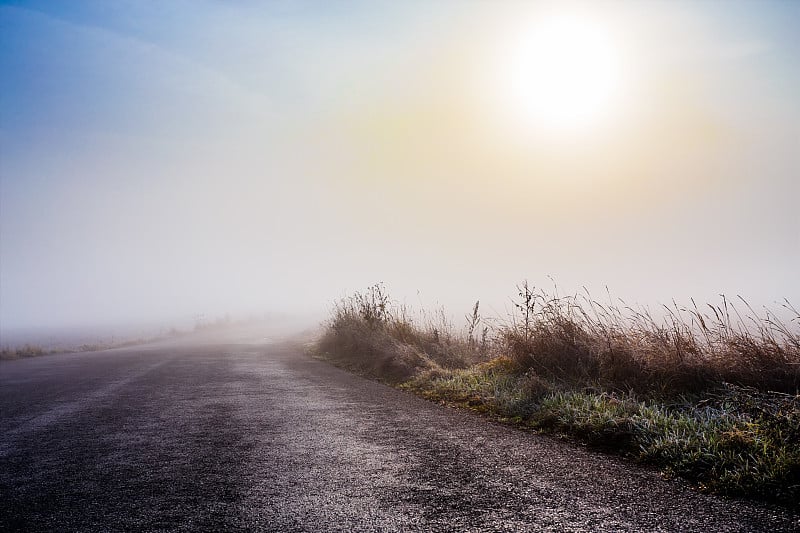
35	342
708	393
32	341
8	353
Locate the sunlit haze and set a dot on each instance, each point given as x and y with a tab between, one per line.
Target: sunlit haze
164	160
565	73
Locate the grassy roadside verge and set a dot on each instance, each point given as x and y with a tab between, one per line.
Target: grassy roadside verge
22	351
33	350
700	395
8	353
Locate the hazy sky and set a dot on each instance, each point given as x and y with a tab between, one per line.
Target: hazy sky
161	159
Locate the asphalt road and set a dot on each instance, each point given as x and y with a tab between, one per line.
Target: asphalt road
224	437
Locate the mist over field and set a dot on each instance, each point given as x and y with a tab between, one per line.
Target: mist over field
161	162
374	265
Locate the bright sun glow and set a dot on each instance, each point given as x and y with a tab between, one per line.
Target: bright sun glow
564	75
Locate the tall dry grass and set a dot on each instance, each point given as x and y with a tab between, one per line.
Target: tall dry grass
710	395
579	339
372	334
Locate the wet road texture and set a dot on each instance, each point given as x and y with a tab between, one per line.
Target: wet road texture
248	437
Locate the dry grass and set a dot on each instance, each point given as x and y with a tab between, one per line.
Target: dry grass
27	350
578	339
8	353
369	334
708	396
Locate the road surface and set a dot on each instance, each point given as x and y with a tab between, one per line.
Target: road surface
259	437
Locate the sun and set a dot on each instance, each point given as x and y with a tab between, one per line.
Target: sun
563	74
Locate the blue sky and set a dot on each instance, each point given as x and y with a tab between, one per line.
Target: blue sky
161	159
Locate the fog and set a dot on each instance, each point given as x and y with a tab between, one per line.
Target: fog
165	161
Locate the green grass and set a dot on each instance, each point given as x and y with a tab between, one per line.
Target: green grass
702	397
